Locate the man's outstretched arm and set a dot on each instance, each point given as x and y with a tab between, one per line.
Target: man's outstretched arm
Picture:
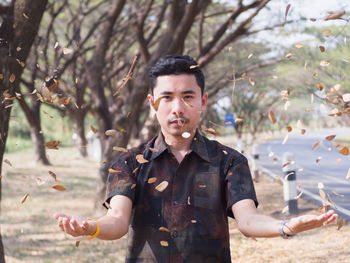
113	225
253	224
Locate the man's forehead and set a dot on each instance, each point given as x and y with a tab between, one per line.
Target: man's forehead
184	83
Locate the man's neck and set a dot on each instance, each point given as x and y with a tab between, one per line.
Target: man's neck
179	143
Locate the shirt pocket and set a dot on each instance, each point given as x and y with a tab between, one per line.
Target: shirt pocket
206	190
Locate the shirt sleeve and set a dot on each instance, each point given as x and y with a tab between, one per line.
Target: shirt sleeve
239	184
121	179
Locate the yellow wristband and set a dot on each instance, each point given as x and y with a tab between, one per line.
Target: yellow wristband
97	230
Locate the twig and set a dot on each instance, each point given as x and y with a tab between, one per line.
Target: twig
127	77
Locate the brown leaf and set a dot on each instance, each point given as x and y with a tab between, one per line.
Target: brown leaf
210	130
287	10
39	181
119	149
12	78
239	121
59	187
302	131
140	159
151	180
315	145
24	198
1	76
289	55
111	132
77	243
320	86
326	33
154	150
164	243
54	176
93	129
133	186
156	103
64	101
322	48
330	137
8	162
187	104
334	16
162	228
67	50
324	63
289	128
161	187
340	223
251	81
344	150
298	45
285	164
52	144
110	170
272	116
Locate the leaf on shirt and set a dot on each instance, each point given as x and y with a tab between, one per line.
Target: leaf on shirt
162	228
164	243
110	170
161	187
209	130
133	186
152	180
107	205
193	221
135	170
140	159
154	150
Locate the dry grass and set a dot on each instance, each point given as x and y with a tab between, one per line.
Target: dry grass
30	233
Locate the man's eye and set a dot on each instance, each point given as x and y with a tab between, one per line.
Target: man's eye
188	97
166	97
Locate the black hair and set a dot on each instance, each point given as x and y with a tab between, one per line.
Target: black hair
176	65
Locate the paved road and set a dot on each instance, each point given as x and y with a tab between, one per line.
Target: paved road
328	170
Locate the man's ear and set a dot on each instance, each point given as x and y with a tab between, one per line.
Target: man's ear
150	99
204	101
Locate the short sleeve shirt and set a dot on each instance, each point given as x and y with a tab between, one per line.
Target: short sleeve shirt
180	211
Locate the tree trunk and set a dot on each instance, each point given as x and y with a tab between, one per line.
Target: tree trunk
80	131
16	30
38	142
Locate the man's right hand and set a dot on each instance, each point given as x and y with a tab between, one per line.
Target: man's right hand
76	225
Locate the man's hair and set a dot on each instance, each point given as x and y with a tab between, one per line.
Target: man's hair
176	65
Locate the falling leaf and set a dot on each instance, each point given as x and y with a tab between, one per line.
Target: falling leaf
77	243
25	16
340	223
337	194
64	101
156	103
326	33
334	16
299	195
24	198
298	45
287	10
8	162
330	137
322	48
250	55
251	81
193	221
315	145
194	66
285	139
272	116
187	104
110	170
320	86
119	149
346	97
54	176
1	76
285	164
338	160
162	228
239	121
186	135
154	150
348	175
39	181
93	129
285	209
133	186
164	243
67	50
210	131
318	159
111	132
59	187
140	159
344	150
12	78
52	144
161	187
289	55
324	63
151	180
289	128
322	194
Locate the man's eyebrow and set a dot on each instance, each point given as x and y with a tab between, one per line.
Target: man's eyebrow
166	93
189	92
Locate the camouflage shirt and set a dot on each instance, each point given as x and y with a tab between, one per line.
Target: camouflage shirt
180	210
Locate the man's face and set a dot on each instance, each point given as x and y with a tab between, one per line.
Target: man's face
178	102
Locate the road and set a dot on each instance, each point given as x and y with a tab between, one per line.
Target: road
323	164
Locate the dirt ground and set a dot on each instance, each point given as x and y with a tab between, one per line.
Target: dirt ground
30	233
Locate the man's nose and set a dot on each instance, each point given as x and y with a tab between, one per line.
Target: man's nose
178	107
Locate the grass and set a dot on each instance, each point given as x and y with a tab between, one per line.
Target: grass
30	234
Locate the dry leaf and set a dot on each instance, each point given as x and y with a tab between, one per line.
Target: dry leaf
285	209
250	55
52	144
315	145
64	101
302	131
239	121
340	223
187	104
1	76
8	162
194	66
111	132
346	97
334	16
93	129
24	198
156	103
289	55
299	195
210	131
289	128
298	45
330	137
164	243
110	170
326	33
39	181
140	159
337	194
322	194
12	78
320	86
287	10
154	150
162	228
59	187
119	149
186	135
54	176
67	50
322	48
348	175
161	187
285	139
77	243
251	81
133	186
272	116
324	63
344	150
151	180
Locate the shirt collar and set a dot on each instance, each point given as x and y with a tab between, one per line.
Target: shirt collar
198	146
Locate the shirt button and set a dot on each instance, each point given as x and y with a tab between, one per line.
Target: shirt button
174	235
175	202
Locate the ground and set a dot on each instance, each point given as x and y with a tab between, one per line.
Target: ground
30	234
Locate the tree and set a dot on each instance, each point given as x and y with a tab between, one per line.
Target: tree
19	26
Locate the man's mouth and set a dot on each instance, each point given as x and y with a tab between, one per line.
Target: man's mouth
179	121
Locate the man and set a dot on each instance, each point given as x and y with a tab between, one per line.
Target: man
173	195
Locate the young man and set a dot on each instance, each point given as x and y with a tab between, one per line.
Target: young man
173	195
